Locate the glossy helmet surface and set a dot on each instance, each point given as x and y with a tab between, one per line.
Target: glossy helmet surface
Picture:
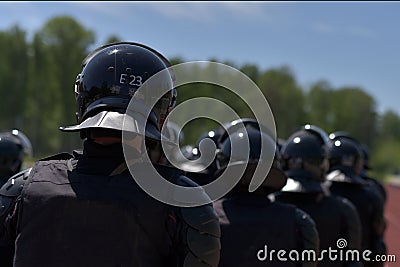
236	125
250	150
340	135
307	151
315	130
11	157
345	152
21	139
111	76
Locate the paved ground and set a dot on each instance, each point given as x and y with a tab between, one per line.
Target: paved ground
392	215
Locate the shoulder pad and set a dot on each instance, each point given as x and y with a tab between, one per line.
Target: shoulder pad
14	185
343	201
168	172
11	189
309	236
192	261
339	176
302	186
185	181
202	218
199	194
60	156
200	178
292	186
203	236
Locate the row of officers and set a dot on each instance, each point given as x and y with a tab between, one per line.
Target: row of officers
84	208
317	196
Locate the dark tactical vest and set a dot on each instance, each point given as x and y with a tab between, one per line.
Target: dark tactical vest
89	220
367	204
328	215
249	224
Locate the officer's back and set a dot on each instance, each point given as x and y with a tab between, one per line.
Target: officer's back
305	162
254	227
86	209
345	167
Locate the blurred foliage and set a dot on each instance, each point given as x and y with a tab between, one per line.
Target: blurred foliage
386	159
37	91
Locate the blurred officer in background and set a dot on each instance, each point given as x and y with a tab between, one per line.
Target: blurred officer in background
305	162
14	147
365	175
201	172
346	165
175	135
86	209
366	164
214	135
252	225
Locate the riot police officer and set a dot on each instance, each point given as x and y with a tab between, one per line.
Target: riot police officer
203	173
365	173
14	146
374	183
305	162
208	154
346	165
85	209
253	225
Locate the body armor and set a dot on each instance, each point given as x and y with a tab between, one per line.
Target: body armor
249	223
94	220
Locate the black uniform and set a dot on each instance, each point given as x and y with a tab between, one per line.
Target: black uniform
380	190
376	185
72	212
249	222
253	227
344	182
371	180
306	163
335	217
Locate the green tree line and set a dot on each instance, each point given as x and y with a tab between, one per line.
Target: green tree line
37	95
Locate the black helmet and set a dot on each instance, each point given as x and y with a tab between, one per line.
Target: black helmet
219	134
20	138
340	135
208	154
11	157
234	149
315	130
366	153
305	151
236	125
110	77
213	134
345	152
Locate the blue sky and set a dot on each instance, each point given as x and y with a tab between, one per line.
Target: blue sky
344	43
